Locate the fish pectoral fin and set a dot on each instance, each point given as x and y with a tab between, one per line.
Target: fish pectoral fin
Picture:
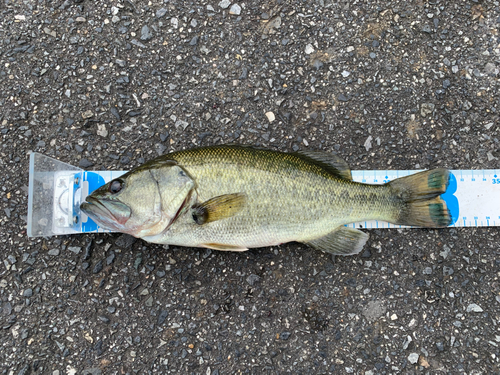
223	247
218	208
342	241
330	162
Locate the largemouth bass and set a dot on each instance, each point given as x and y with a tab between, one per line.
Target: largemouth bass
235	198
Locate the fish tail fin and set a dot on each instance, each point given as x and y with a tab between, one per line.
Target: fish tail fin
421	201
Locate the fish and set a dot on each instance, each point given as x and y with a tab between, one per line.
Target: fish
233	198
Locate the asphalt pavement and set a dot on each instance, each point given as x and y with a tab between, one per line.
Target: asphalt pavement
384	85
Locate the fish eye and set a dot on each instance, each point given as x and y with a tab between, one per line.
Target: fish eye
115	186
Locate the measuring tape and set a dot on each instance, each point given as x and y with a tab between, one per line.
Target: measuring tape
472	196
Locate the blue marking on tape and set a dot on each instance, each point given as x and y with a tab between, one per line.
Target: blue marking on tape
450	199
95	181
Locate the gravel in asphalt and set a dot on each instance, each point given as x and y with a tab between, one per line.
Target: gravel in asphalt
385	85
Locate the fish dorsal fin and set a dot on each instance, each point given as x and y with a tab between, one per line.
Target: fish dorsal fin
330	162
218	208
342	241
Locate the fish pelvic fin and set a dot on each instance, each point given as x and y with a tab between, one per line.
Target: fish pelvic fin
421	203
218	208
223	247
342	241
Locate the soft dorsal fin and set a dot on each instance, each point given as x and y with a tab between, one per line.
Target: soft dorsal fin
330	162
218	208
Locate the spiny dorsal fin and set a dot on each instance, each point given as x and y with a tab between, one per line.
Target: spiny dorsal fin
218	208
330	162
342	241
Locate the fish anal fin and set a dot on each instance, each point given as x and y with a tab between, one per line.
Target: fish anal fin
218	208
342	241
330	162
223	247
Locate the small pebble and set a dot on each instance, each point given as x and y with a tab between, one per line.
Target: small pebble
115	113
235	9
54	252
309	49
104	319
474	308
407	342
252	279
413	358
102	131
161	12
92	371
146	33
161	317
490	68
447	271
85	163
194	41
75	249
89	247
270	116
125	241
285	335
110	259
427	271
98	267
426	109
87	114
224	4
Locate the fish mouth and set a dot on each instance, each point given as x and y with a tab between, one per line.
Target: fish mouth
108	214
